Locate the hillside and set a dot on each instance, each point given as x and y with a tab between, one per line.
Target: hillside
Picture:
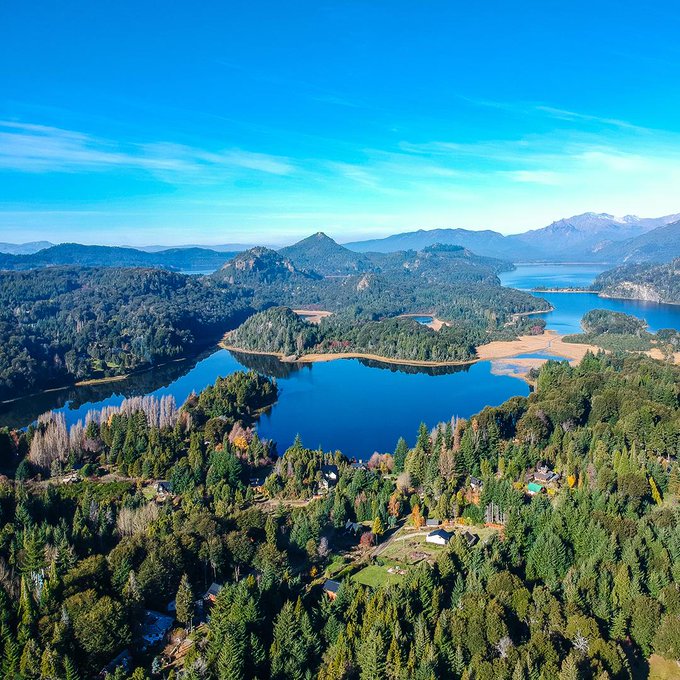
322	254
24	248
485	242
656	283
261	266
75	254
658	245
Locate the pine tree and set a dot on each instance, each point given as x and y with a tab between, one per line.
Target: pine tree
185	602
400	453
70	671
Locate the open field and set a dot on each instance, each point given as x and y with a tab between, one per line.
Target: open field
312	315
662	669
375	576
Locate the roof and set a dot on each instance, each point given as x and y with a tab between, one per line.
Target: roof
331	586
470	538
440	533
534	488
329	470
154	626
213	591
475	481
432	522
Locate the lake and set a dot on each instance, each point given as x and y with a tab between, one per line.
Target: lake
569	308
356	406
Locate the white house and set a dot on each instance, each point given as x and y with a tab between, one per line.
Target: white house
438	537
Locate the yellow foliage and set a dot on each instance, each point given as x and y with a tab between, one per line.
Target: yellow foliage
571	480
240	443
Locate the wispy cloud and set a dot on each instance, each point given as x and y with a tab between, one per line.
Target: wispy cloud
27	147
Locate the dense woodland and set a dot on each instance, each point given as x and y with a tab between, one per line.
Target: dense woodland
656	282
618	332
280	330
63	324
60	325
582	581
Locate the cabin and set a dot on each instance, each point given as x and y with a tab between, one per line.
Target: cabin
123	660
330	473
154	628
476	483
470	538
331	587
355	527
358	465
533	488
438	537
163	487
432	522
211	594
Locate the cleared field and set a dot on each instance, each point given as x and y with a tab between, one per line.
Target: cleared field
663	669
375	576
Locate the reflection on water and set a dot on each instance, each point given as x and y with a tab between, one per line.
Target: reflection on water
355	405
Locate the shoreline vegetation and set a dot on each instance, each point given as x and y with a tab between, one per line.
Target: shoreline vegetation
550	342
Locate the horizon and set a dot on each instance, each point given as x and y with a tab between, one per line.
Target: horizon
267	123
287	242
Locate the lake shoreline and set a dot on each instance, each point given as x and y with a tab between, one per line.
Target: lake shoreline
549	342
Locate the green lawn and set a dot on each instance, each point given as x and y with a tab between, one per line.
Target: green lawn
375	576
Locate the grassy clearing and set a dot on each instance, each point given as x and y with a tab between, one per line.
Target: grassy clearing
375	576
401	549
662	669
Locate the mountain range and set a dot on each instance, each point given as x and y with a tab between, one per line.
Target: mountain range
591	237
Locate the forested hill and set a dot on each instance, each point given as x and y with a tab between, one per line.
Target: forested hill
63	324
323	255
68	254
656	283
557	514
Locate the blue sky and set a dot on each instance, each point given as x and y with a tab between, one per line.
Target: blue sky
206	122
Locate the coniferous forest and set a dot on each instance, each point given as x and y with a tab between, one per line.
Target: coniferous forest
559	510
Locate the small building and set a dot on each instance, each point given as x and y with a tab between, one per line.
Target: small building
470	538
432	522
438	537
331	587
154	628
330	473
123	660
476	483
533	488
358	465
211	594
355	527
163	487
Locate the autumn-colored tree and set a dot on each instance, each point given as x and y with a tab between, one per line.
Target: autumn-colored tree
417	518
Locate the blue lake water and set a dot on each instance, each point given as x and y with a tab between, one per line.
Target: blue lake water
569	308
354	405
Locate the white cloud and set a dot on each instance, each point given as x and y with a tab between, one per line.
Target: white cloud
37	148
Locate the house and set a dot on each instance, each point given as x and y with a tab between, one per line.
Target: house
432	522
154	628
330	473
354	527
438	537
533	488
123	660
476	484
211	594
163	487
331	587
470	538
358	465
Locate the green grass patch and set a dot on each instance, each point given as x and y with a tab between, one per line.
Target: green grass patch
376	576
